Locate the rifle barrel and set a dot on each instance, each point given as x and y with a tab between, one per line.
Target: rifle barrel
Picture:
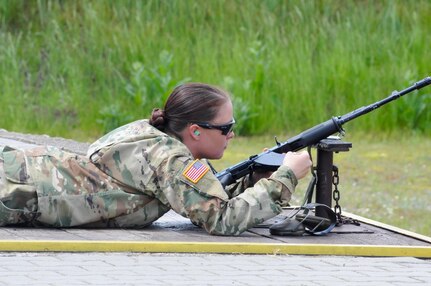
395	95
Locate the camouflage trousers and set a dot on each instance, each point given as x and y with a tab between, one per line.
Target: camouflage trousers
29	202
18	202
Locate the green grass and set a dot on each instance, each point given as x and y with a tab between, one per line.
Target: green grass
92	65
385	178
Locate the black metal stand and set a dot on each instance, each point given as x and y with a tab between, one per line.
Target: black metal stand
324	169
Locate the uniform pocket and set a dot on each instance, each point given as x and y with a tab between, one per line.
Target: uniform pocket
15	167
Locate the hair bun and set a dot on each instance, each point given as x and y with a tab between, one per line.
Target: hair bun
158	118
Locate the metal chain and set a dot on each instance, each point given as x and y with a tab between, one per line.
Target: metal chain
336	194
336	197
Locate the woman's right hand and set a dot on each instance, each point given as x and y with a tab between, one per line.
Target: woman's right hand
298	162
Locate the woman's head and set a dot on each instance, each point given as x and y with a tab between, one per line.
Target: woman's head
196	113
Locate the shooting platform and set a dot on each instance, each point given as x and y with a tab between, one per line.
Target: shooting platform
175	234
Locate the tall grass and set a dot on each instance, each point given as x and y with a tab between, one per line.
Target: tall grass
79	68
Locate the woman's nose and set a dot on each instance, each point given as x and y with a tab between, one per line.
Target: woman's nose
231	135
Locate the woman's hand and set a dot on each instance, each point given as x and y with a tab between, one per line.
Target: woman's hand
298	162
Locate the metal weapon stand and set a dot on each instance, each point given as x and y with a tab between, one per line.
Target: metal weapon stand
326	176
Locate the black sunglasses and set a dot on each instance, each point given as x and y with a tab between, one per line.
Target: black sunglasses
225	128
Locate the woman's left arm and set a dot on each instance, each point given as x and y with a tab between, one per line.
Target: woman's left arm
202	198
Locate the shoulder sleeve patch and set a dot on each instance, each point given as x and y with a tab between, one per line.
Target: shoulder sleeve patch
195	171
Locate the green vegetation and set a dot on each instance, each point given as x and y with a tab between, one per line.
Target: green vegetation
79	68
92	65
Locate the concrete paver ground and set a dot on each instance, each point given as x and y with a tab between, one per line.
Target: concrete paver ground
208	269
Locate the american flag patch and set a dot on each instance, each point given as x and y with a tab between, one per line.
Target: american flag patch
195	171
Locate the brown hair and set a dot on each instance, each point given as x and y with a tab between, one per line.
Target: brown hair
188	103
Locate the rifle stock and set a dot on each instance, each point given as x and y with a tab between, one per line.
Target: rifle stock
273	158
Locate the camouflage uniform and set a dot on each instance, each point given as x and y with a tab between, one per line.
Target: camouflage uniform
130	178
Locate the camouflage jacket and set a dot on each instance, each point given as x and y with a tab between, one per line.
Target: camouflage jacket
135	174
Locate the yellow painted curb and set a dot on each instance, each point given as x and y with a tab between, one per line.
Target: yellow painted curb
212	247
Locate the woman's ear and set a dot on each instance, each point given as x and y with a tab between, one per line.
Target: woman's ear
194	131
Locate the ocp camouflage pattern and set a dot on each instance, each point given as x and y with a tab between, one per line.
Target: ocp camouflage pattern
130	178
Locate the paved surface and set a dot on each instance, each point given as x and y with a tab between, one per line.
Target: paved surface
125	268
208	269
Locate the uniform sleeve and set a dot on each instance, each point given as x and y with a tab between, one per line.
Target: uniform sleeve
203	200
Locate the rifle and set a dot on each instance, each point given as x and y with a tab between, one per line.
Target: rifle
272	158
